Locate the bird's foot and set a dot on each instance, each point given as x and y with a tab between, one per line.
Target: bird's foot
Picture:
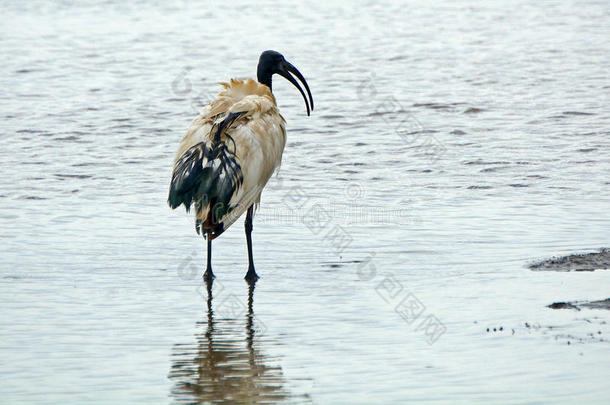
251	276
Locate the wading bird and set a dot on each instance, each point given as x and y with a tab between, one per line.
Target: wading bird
230	151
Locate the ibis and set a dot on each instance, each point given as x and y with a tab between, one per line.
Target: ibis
230	151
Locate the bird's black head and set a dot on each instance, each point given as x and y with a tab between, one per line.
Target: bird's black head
272	62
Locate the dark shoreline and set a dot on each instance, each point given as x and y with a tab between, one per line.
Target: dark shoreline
578	305
576	262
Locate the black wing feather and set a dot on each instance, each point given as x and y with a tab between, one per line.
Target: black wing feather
207	173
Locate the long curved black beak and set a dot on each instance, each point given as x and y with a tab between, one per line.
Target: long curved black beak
285	71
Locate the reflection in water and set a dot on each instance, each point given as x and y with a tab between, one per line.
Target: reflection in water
222	367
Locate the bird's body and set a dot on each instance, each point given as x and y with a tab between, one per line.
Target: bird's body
230	151
255	140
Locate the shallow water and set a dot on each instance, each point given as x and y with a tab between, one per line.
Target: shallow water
451	145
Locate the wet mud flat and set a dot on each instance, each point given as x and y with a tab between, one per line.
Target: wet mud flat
575	262
578	305
590	326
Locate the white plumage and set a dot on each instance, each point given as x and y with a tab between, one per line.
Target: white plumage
230	151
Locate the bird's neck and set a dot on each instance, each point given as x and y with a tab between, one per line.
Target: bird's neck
264	77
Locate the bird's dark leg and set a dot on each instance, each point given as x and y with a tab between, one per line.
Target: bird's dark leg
208	276
251	275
